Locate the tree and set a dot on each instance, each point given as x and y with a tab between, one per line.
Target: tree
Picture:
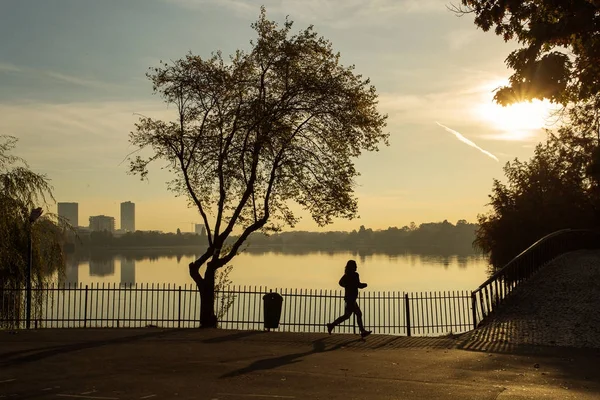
560	55
278	124
22	190
551	191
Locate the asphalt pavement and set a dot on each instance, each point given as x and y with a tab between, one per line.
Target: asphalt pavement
216	364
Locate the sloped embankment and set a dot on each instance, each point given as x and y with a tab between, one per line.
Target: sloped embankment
559	306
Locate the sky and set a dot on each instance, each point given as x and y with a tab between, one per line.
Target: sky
73	83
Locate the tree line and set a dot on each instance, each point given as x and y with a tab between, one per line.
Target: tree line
433	236
443	236
144	239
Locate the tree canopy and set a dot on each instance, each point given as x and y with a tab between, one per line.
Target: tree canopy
21	191
428	238
559	57
279	124
552	191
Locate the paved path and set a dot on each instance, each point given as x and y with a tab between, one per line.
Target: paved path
226	365
558	306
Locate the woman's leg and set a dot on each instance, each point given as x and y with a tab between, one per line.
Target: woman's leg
348	309
358	313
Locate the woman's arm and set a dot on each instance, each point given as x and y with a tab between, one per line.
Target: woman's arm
360	284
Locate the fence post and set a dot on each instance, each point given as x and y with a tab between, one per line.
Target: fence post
179	309
496	295
474	309
28	278
85	307
407	312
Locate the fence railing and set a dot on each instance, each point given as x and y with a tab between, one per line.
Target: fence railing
490	294
105	305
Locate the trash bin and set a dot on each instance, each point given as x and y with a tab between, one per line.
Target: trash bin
272	309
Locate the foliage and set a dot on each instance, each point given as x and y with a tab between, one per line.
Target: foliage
442	235
136	239
21	190
560	55
222	282
551	191
436	236
278	124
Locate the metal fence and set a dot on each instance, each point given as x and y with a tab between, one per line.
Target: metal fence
239	307
491	293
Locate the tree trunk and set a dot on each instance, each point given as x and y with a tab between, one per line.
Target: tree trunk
208	318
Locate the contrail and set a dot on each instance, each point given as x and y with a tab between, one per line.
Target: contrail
467	141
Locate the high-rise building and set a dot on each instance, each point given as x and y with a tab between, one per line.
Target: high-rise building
99	223
70	212
200	229
128	216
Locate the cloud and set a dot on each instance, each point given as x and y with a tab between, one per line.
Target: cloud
421	108
342	14
77	80
458	39
57	76
238	6
467	141
7	67
75	135
81	146
516	136
469	104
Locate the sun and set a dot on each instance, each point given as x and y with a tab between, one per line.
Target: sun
519	121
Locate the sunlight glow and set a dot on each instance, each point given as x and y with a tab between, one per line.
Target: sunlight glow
519	121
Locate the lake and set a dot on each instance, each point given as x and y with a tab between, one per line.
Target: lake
406	272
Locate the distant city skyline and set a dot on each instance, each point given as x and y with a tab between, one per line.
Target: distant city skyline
127	216
200	228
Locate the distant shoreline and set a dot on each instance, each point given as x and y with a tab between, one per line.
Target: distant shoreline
290	249
277	246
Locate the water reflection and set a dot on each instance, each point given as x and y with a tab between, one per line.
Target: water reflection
71	276
127	272
360	254
296	268
102	266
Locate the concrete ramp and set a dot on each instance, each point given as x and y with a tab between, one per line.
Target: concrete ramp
558	306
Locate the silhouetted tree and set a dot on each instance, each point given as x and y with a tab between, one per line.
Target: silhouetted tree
551	191
560	55
428	237
22	190
282	122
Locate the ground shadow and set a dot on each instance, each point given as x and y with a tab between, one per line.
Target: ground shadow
233	336
498	338
319	346
13	358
